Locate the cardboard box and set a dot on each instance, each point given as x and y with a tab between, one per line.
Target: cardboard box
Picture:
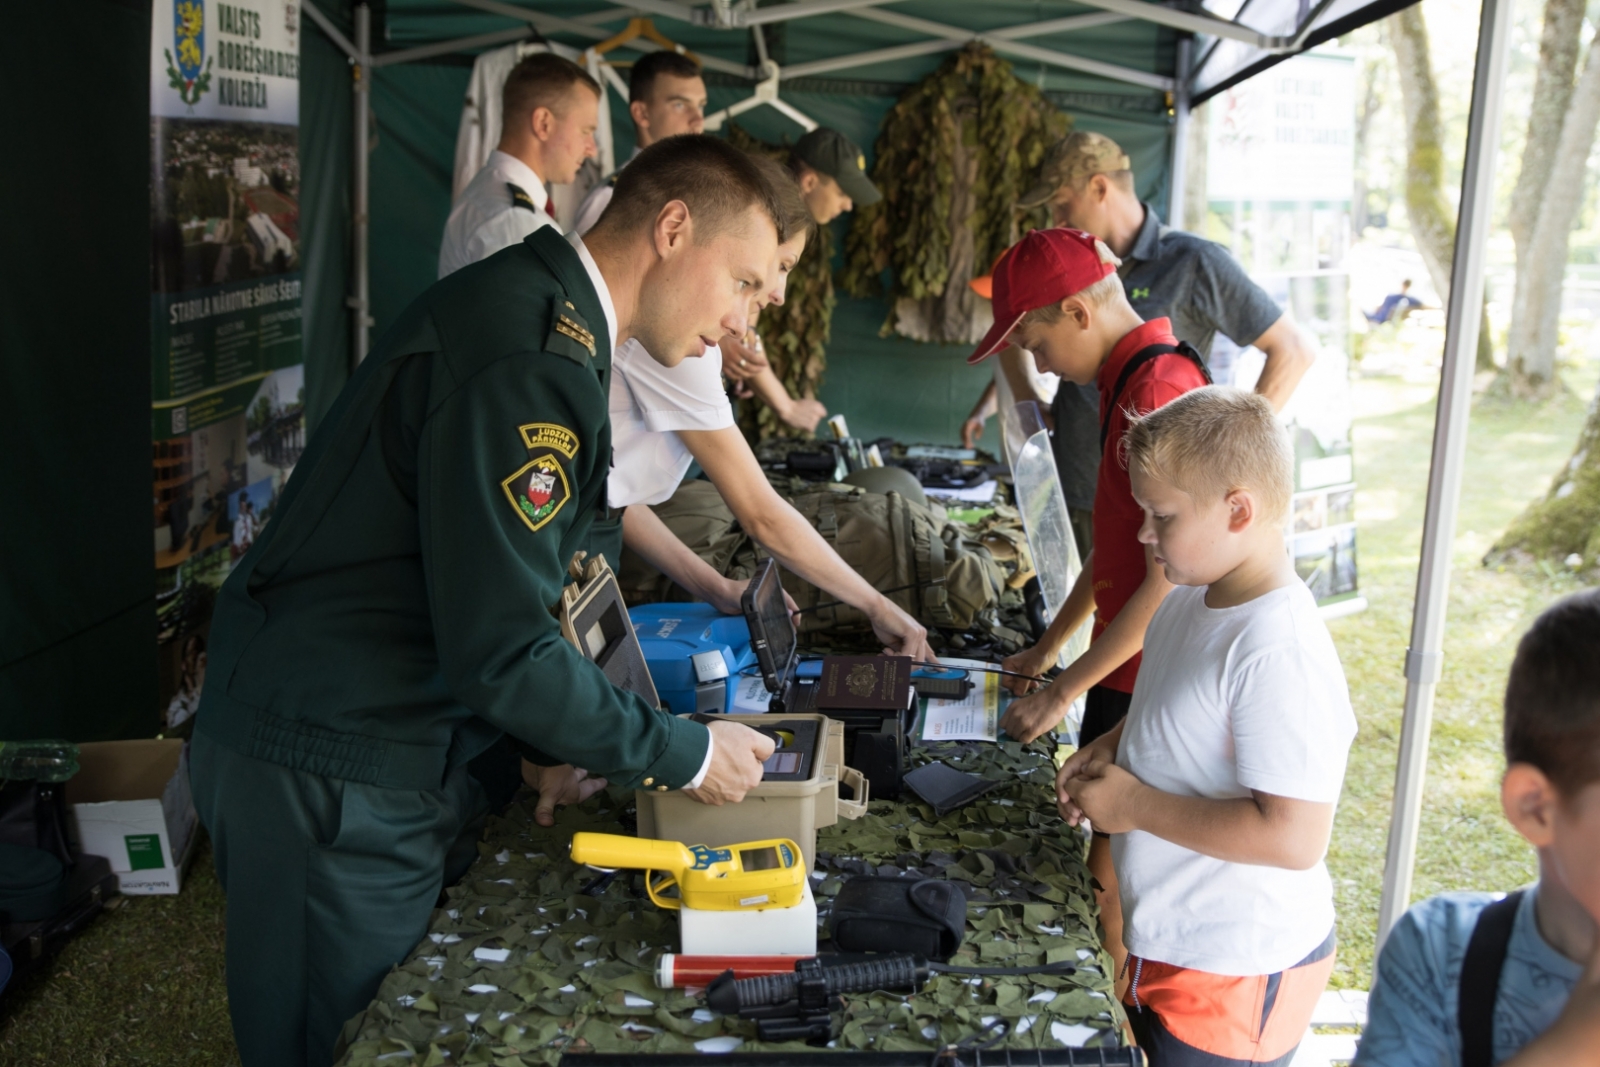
131	804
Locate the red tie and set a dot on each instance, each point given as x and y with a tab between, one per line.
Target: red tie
550	206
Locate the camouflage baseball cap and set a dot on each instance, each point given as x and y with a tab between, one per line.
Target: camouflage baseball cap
1079	156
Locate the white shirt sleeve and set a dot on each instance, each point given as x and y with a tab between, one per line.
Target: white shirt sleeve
686	397
1292	723
705	766
510	227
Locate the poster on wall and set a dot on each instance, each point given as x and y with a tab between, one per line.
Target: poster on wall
226	377
1279	182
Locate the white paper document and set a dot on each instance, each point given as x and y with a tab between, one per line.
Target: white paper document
981	493
750	697
975	717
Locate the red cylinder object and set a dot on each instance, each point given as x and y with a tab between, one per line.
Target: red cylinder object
674	970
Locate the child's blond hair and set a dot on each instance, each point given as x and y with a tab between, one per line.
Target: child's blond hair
1209	442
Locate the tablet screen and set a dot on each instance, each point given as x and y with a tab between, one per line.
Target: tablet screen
771	627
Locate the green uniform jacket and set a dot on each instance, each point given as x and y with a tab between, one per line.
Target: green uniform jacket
395	614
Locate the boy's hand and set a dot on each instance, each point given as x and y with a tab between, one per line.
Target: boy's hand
1034	661
1036	715
1103	793
1102	749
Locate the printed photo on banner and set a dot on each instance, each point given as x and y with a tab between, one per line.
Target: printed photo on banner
227	383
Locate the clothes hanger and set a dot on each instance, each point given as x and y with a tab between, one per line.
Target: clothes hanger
765	92
636	29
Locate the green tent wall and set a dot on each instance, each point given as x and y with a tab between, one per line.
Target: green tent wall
77	621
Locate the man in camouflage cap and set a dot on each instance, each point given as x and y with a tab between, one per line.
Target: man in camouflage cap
1087	181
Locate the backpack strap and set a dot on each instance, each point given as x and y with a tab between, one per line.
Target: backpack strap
1480	979
1139	359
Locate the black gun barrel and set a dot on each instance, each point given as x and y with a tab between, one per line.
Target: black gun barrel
813	983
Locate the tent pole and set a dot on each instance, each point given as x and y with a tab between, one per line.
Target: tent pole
1177	183
361	97
1425	657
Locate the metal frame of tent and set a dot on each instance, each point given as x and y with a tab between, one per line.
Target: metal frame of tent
1219	52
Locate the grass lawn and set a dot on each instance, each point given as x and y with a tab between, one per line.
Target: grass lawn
1513	451
144	985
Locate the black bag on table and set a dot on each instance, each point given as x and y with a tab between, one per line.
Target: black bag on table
926	917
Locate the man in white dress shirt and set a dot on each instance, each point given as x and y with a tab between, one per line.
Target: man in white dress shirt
550	113
666	97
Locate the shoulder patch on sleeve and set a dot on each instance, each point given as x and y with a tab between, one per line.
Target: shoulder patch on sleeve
537	435
539	489
569	333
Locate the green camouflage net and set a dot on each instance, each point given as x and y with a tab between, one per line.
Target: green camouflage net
524	965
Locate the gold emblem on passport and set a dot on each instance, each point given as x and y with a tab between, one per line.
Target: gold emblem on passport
861	680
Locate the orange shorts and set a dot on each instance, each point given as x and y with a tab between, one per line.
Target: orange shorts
1188	1018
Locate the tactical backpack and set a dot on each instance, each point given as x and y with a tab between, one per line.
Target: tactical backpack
946	577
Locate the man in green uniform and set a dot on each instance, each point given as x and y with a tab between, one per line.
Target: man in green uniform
394	617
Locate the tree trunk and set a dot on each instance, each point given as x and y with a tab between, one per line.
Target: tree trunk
1552	92
1374	73
1433	224
1541	270
1567	521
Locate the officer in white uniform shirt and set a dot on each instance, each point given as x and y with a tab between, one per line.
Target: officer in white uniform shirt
665	418
550	113
666	97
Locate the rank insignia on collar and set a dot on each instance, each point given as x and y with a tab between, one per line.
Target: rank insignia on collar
538	490
567	327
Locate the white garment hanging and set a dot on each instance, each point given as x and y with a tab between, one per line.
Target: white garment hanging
766	92
479	132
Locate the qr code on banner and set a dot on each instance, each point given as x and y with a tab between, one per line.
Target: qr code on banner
180	421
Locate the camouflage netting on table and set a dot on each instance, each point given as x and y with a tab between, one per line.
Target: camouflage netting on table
524	965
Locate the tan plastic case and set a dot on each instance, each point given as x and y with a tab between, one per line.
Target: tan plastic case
795	810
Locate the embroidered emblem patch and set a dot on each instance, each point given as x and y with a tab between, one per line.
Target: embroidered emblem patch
538	490
549	435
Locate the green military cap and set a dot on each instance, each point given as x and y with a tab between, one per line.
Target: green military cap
832	153
1076	157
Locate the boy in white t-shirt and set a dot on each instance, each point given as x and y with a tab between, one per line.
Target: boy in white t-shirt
1219	787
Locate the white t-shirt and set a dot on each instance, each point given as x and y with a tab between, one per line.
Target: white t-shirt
1231	700
649	404
486	219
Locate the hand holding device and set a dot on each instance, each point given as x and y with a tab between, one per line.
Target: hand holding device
736	758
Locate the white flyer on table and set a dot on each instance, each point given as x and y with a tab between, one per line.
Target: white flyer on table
975	717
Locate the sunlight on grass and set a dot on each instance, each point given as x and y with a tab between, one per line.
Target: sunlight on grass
1465	842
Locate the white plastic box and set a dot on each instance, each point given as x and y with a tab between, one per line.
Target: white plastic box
131	804
793	810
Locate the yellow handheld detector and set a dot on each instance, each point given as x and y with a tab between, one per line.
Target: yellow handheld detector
754	875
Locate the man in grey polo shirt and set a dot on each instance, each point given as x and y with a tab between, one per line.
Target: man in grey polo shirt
1088	182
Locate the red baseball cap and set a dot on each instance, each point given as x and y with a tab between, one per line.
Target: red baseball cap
1043	268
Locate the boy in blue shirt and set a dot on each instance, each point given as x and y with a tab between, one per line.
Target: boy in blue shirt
1467	979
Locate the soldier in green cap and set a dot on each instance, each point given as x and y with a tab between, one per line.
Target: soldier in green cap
393	619
832	173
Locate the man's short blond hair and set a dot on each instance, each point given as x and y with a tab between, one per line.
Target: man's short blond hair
1212	441
1104	293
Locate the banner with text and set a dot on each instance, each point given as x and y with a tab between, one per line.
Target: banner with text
226	383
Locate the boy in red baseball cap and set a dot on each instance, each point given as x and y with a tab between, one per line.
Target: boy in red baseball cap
1057	295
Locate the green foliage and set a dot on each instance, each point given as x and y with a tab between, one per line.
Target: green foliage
1566	523
795	332
953	156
